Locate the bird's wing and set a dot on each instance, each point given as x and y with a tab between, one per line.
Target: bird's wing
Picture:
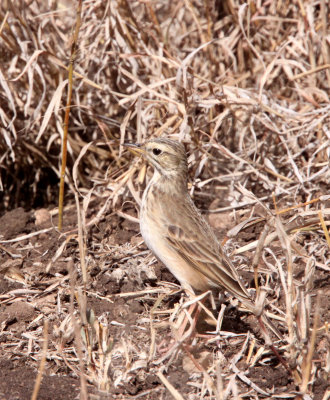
204	258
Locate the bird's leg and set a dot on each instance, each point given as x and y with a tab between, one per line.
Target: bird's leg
196	306
184	323
179	340
182	333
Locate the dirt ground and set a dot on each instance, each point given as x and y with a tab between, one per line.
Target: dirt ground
124	283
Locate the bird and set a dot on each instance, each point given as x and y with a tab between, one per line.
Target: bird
175	230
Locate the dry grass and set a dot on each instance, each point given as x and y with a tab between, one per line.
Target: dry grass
246	87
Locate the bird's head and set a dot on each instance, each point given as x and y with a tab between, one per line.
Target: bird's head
168	157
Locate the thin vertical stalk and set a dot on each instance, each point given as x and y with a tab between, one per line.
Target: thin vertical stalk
67	114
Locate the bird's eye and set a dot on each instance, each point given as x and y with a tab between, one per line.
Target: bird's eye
156	151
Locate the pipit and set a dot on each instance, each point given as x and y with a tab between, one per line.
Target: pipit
176	232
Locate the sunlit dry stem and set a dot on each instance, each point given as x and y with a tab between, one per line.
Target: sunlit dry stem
81	241
324	227
308	360
257	255
42	363
77	328
285	210
289	294
67	115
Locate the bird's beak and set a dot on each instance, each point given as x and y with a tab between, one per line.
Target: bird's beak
136	149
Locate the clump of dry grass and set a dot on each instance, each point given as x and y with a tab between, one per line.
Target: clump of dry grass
245	86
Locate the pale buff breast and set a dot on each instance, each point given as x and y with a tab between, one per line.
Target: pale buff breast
153	233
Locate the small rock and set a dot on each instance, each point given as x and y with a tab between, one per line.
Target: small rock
42	217
13	223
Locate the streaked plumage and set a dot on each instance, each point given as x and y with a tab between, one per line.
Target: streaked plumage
174	229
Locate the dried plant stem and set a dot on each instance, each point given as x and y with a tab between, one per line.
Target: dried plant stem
324	227
308	360
4	22
77	332
312	71
152	329
176	395
257	255
307	203
67	114
42	362
289	294
81	241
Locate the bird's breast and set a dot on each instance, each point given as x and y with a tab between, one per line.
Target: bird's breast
153	228
150	222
